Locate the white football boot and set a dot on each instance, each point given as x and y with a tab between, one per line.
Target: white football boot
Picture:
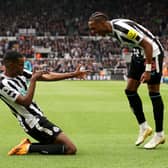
155	141
143	134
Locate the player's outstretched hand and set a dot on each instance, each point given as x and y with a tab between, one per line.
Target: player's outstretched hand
79	73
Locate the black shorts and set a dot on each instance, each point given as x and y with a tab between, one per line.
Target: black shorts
44	131
137	68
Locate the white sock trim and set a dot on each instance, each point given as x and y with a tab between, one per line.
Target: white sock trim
144	125
160	133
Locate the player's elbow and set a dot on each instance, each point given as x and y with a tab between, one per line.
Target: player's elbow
24	101
25	104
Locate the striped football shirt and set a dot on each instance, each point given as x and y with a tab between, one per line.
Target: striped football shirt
10	89
130	33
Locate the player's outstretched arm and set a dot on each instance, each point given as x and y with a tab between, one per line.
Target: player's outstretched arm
52	76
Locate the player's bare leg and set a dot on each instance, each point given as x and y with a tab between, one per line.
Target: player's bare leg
63	139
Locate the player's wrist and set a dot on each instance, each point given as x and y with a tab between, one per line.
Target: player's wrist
72	74
33	79
148	67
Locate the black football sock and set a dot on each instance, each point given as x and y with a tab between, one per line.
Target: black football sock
47	149
158	109
136	105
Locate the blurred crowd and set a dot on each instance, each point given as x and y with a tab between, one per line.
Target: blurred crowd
66	52
61	37
64	17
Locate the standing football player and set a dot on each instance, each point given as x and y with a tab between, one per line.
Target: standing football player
17	88
146	67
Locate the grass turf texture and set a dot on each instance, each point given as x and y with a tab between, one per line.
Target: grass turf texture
97	117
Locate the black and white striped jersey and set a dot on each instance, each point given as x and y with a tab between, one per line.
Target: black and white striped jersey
130	33
10	89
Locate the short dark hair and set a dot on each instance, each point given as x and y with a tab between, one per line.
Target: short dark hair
98	16
12	56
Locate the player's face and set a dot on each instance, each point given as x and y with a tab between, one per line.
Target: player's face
96	27
18	66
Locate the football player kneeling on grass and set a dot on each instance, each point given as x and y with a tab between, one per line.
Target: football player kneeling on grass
17	88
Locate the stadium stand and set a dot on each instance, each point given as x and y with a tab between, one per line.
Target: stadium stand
54	34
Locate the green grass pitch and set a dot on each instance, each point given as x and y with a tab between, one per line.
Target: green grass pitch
97	117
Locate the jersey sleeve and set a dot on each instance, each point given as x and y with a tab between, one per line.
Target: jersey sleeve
127	33
8	92
134	35
27	73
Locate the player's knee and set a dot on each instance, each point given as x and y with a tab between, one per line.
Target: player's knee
72	150
129	92
126	91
